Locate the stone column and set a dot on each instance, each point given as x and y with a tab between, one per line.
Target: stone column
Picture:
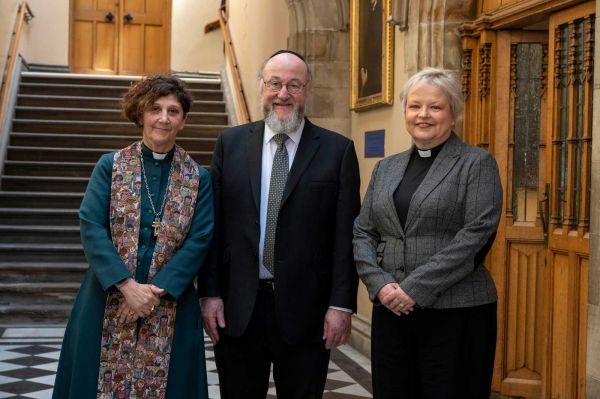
593	341
433	38
319	30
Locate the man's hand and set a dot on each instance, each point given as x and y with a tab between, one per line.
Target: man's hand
214	315
337	328
395	299
141	298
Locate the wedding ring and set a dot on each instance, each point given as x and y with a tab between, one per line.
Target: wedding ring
400	305
152	309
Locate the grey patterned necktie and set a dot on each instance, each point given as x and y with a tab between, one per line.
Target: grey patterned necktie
279	175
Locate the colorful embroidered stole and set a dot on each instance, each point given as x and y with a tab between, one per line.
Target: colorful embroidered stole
135	363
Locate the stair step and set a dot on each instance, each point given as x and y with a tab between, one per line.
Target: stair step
212	81
21	234
95	89
57	154
105	115
91	141
34	100
24	199
72	272
39	168
41	252
44	183
39	216
25	314
101	128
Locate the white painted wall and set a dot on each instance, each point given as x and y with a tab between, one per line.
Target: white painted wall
8	14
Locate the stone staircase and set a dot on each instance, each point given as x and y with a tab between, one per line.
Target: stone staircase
63	123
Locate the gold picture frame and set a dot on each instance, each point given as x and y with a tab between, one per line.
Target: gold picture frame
372	50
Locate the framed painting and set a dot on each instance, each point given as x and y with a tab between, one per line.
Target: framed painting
372	54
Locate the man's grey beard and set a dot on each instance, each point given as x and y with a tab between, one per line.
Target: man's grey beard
285	126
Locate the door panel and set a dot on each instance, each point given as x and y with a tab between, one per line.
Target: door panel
568	165
145	40
519	267
93	42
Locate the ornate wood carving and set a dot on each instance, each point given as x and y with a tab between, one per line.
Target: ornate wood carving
544	70
572	60
588	62
485	67
557	51
467	69
513	69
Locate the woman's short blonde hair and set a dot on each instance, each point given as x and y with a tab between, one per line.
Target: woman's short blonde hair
442	78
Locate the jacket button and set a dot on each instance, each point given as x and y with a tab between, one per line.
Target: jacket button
402	269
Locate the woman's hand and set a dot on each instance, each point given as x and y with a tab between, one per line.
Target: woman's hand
395	299
141	298
125	314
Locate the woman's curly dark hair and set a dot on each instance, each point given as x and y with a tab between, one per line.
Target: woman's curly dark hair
144	93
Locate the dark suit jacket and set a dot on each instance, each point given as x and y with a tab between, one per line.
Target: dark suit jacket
314	265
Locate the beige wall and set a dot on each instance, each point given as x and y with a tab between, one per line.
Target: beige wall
8	14
391	119
191	49
258	29
45	39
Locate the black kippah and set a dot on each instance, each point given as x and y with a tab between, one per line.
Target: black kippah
287	52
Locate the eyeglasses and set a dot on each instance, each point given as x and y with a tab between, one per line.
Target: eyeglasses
292	87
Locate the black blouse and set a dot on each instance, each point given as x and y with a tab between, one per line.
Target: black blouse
416	170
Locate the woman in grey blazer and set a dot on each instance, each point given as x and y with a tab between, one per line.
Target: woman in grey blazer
427	221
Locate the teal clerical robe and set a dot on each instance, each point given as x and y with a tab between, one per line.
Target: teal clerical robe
77	376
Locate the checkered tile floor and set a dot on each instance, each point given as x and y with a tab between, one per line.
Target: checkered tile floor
29	357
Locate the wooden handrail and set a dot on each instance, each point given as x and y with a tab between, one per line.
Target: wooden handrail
24	15
240	94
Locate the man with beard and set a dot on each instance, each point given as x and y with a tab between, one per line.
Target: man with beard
280	283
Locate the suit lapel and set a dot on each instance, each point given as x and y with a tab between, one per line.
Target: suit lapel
255	141
395	174
307	148
442	165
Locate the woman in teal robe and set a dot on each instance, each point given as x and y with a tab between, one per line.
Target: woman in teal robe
136	329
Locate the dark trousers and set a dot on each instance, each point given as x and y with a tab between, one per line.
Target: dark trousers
244	363
433	353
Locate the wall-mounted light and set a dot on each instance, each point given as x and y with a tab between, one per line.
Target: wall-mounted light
399	14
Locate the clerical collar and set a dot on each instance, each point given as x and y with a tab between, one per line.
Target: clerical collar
159	156
430	153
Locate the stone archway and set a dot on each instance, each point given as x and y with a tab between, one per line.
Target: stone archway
319	29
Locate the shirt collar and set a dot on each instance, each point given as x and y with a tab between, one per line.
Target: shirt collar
294	136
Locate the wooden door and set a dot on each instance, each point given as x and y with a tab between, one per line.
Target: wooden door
94	36
518	266
571	50
127	37
145	37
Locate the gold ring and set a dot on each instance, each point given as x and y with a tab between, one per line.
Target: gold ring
131	313
400	305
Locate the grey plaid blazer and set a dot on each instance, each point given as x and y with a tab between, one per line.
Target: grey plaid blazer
451	216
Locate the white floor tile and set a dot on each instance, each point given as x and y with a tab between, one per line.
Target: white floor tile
6	395
340	376
48	366
45	394
10	366
7	380
53	332
50	355
354	389
47	379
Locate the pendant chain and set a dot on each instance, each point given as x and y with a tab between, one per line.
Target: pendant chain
156	222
